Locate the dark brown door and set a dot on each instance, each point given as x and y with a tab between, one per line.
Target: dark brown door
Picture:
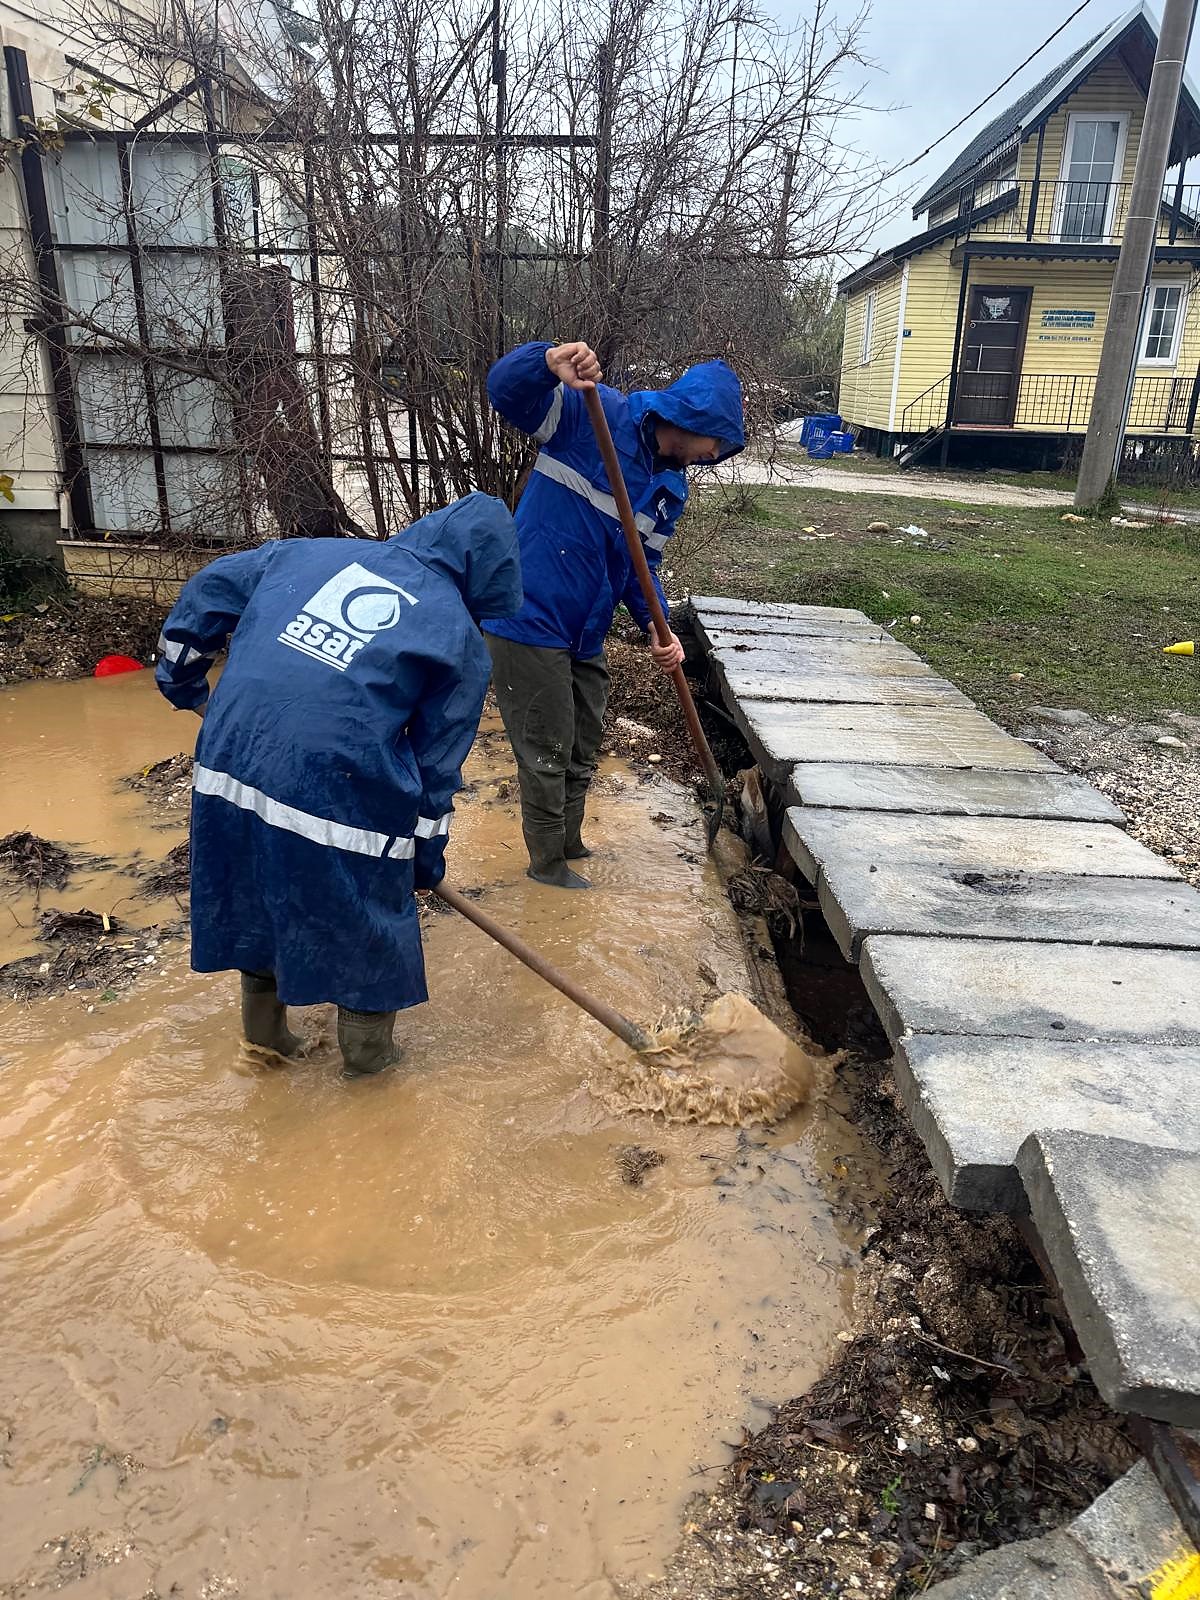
989	373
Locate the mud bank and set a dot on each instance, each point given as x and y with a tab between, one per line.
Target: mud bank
272	1332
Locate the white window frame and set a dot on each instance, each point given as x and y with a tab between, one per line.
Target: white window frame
1060	204
868	330
1172	360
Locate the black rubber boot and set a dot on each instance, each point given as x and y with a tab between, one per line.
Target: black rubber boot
264	1016
547	863
574	848
365	1040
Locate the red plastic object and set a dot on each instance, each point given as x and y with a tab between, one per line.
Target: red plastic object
109	666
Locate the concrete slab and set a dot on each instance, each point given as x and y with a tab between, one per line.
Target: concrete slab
1117	1221
880	658
821	837
795	681
1053	1568
908	897
781	734
1127	1544
797	627
722	605
1132	1534
972	1103
998	988
963	793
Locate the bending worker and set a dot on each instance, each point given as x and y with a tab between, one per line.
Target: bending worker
548	660
330	752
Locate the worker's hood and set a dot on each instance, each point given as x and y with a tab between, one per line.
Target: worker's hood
706	399
474	542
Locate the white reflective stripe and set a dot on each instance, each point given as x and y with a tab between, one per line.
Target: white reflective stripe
550	421
185	654
550	467
403	849
432	827
656	541
363	841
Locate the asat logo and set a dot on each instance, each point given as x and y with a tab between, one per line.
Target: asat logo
345	614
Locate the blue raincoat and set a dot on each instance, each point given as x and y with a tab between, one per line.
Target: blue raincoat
333	744
574	559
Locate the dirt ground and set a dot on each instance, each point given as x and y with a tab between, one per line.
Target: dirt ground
64	637
957	1417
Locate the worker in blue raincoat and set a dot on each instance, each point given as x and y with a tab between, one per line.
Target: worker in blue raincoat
548	660
329	755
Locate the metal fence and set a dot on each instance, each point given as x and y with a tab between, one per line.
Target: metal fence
196	316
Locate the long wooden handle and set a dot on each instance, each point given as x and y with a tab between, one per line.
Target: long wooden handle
616	482
635	1037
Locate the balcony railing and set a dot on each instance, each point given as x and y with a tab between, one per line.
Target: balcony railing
1072	212
1057	402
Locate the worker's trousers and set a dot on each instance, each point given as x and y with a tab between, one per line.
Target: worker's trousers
553	710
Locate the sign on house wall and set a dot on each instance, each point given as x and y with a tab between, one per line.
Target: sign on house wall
1056	319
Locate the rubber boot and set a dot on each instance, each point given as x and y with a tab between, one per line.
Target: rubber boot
547	863
365	1040
264	1016
574	848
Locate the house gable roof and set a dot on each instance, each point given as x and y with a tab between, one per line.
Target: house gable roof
1134	36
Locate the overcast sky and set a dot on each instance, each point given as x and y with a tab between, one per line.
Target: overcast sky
938	58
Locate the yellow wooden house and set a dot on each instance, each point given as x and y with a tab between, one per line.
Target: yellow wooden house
979	337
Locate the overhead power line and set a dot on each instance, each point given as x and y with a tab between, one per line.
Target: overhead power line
941	139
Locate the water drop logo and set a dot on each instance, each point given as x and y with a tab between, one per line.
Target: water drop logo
371	610
345	615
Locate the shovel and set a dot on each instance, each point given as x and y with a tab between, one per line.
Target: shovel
616	481
636	1038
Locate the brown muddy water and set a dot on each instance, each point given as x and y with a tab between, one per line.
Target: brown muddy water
275	1334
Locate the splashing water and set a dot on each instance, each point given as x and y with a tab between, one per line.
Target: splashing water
731	1065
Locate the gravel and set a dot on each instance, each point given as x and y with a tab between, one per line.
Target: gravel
1156	785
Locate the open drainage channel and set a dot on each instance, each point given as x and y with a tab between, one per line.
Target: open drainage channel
461	1330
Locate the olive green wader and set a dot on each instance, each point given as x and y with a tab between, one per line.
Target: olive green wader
364	1037
553	711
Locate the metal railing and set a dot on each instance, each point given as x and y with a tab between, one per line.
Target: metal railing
1056	402
1071	212
928	410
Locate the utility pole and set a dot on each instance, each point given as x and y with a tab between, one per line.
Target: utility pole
1106	430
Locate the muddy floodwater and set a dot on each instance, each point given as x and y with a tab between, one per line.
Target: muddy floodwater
273	1334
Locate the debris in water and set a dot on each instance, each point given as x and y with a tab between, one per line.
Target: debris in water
634	1162
169	877
40	863
167	784
77	927
760	890
88	950
729	1065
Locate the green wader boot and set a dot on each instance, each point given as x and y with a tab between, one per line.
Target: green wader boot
553	710
264	1016
547	858
365	1040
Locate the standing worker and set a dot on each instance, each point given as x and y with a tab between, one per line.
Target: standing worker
330	752
548	660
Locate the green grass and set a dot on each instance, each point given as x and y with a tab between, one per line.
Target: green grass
1081	610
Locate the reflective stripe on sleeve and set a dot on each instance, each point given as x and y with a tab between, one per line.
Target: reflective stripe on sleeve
433	827
550	467
549	425
184	654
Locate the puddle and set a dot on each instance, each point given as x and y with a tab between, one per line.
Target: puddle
274	1333
67	746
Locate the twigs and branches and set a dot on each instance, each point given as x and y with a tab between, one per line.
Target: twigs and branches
288	249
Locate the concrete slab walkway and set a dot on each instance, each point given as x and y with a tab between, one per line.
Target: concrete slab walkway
1036	969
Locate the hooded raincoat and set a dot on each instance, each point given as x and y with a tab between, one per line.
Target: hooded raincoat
333	744
574	558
